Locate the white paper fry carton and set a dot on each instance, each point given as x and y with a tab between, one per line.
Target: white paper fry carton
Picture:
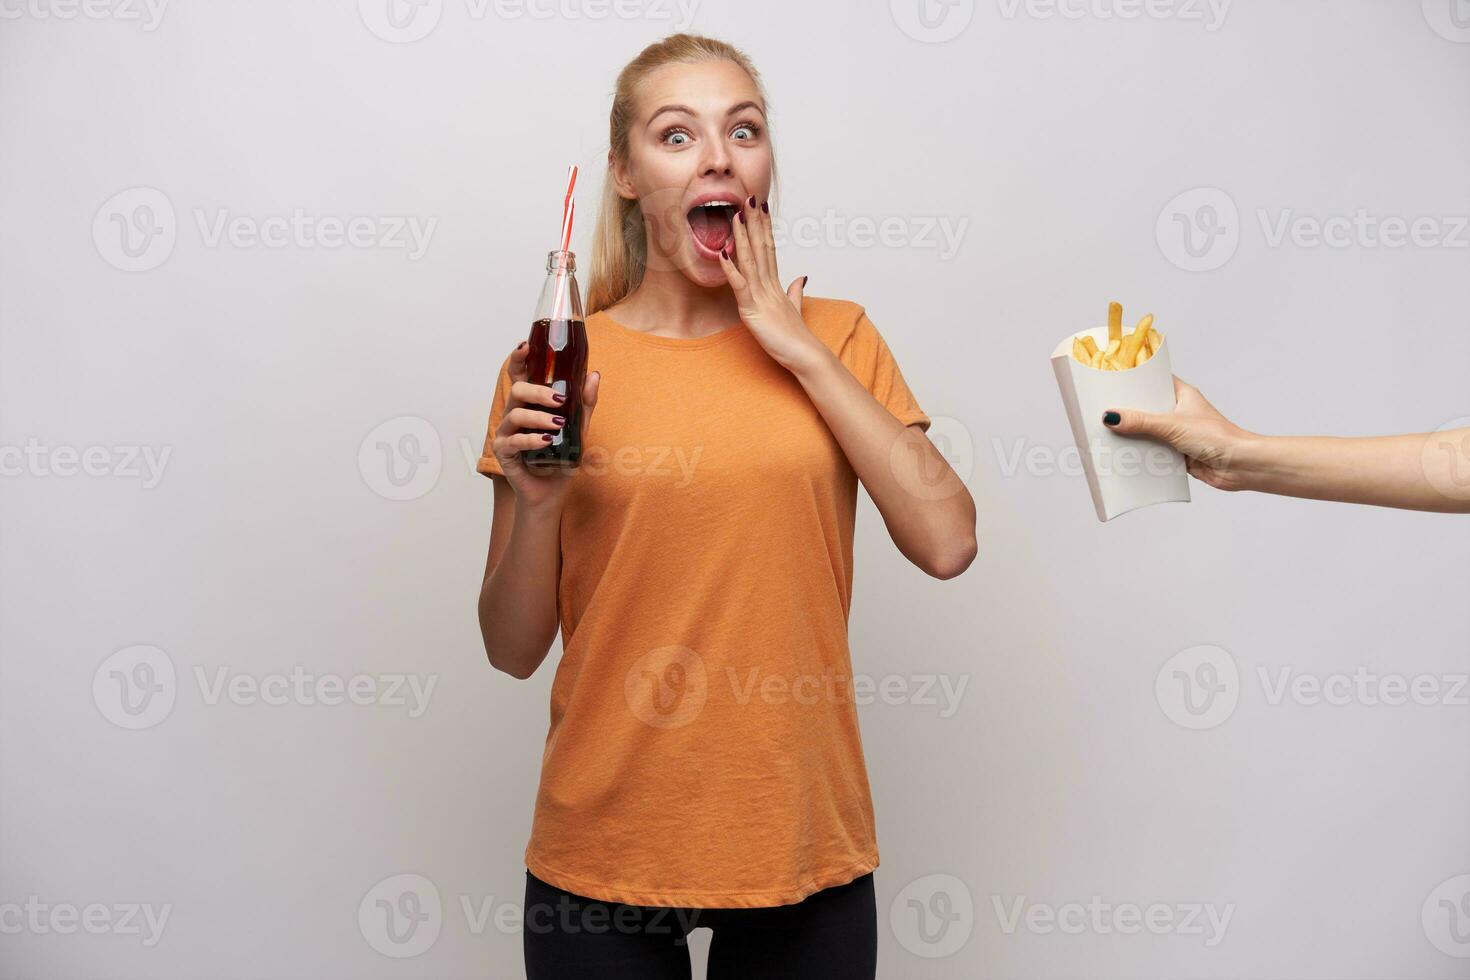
1124	473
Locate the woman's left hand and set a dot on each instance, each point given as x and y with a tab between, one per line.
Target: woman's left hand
772	315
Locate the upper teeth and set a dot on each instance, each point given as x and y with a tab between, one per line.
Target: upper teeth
718	204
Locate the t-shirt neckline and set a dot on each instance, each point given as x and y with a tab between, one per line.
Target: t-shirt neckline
676	343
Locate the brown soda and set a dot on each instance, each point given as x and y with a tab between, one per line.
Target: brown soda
557	358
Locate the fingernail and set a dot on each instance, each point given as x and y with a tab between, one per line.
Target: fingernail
764	207
546	437
803	281
742	217
752	200
558	397
520	345
1111	418
559	420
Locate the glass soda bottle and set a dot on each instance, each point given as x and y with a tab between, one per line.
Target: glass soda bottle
558	359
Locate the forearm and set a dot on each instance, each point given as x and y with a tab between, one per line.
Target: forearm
518	606
925	505
1414	472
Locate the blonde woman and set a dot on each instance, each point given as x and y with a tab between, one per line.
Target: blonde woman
703	765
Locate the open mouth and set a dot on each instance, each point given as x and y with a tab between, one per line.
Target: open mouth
710	225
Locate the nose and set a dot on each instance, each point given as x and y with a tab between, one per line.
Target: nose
716	160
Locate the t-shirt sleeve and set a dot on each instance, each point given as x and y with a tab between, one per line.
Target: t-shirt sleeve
488	464
867	356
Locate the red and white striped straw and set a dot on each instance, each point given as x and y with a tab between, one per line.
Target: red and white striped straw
568	206
568	210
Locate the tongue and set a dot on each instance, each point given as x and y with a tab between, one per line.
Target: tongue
711	226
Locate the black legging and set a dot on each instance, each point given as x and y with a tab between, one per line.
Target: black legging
832	934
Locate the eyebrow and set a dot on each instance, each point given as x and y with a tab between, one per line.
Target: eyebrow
739	107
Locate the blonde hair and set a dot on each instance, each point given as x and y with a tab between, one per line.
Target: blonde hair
619	245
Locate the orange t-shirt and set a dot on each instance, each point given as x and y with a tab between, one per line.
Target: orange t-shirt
704	748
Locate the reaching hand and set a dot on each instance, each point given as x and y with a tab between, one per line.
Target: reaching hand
1195	428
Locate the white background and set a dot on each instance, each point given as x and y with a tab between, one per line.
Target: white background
1055	138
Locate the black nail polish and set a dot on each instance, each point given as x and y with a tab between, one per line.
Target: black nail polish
1111	418
764	208
520	345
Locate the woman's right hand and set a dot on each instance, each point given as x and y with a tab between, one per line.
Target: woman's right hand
535	407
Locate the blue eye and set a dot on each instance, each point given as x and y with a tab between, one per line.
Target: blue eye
751	130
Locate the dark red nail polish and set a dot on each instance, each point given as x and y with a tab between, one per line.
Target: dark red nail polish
752	200
803	281
742	217
559	420
546	437
558	397
520	345
764	208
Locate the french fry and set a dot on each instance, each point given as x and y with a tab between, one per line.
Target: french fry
1121	353
1135	339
